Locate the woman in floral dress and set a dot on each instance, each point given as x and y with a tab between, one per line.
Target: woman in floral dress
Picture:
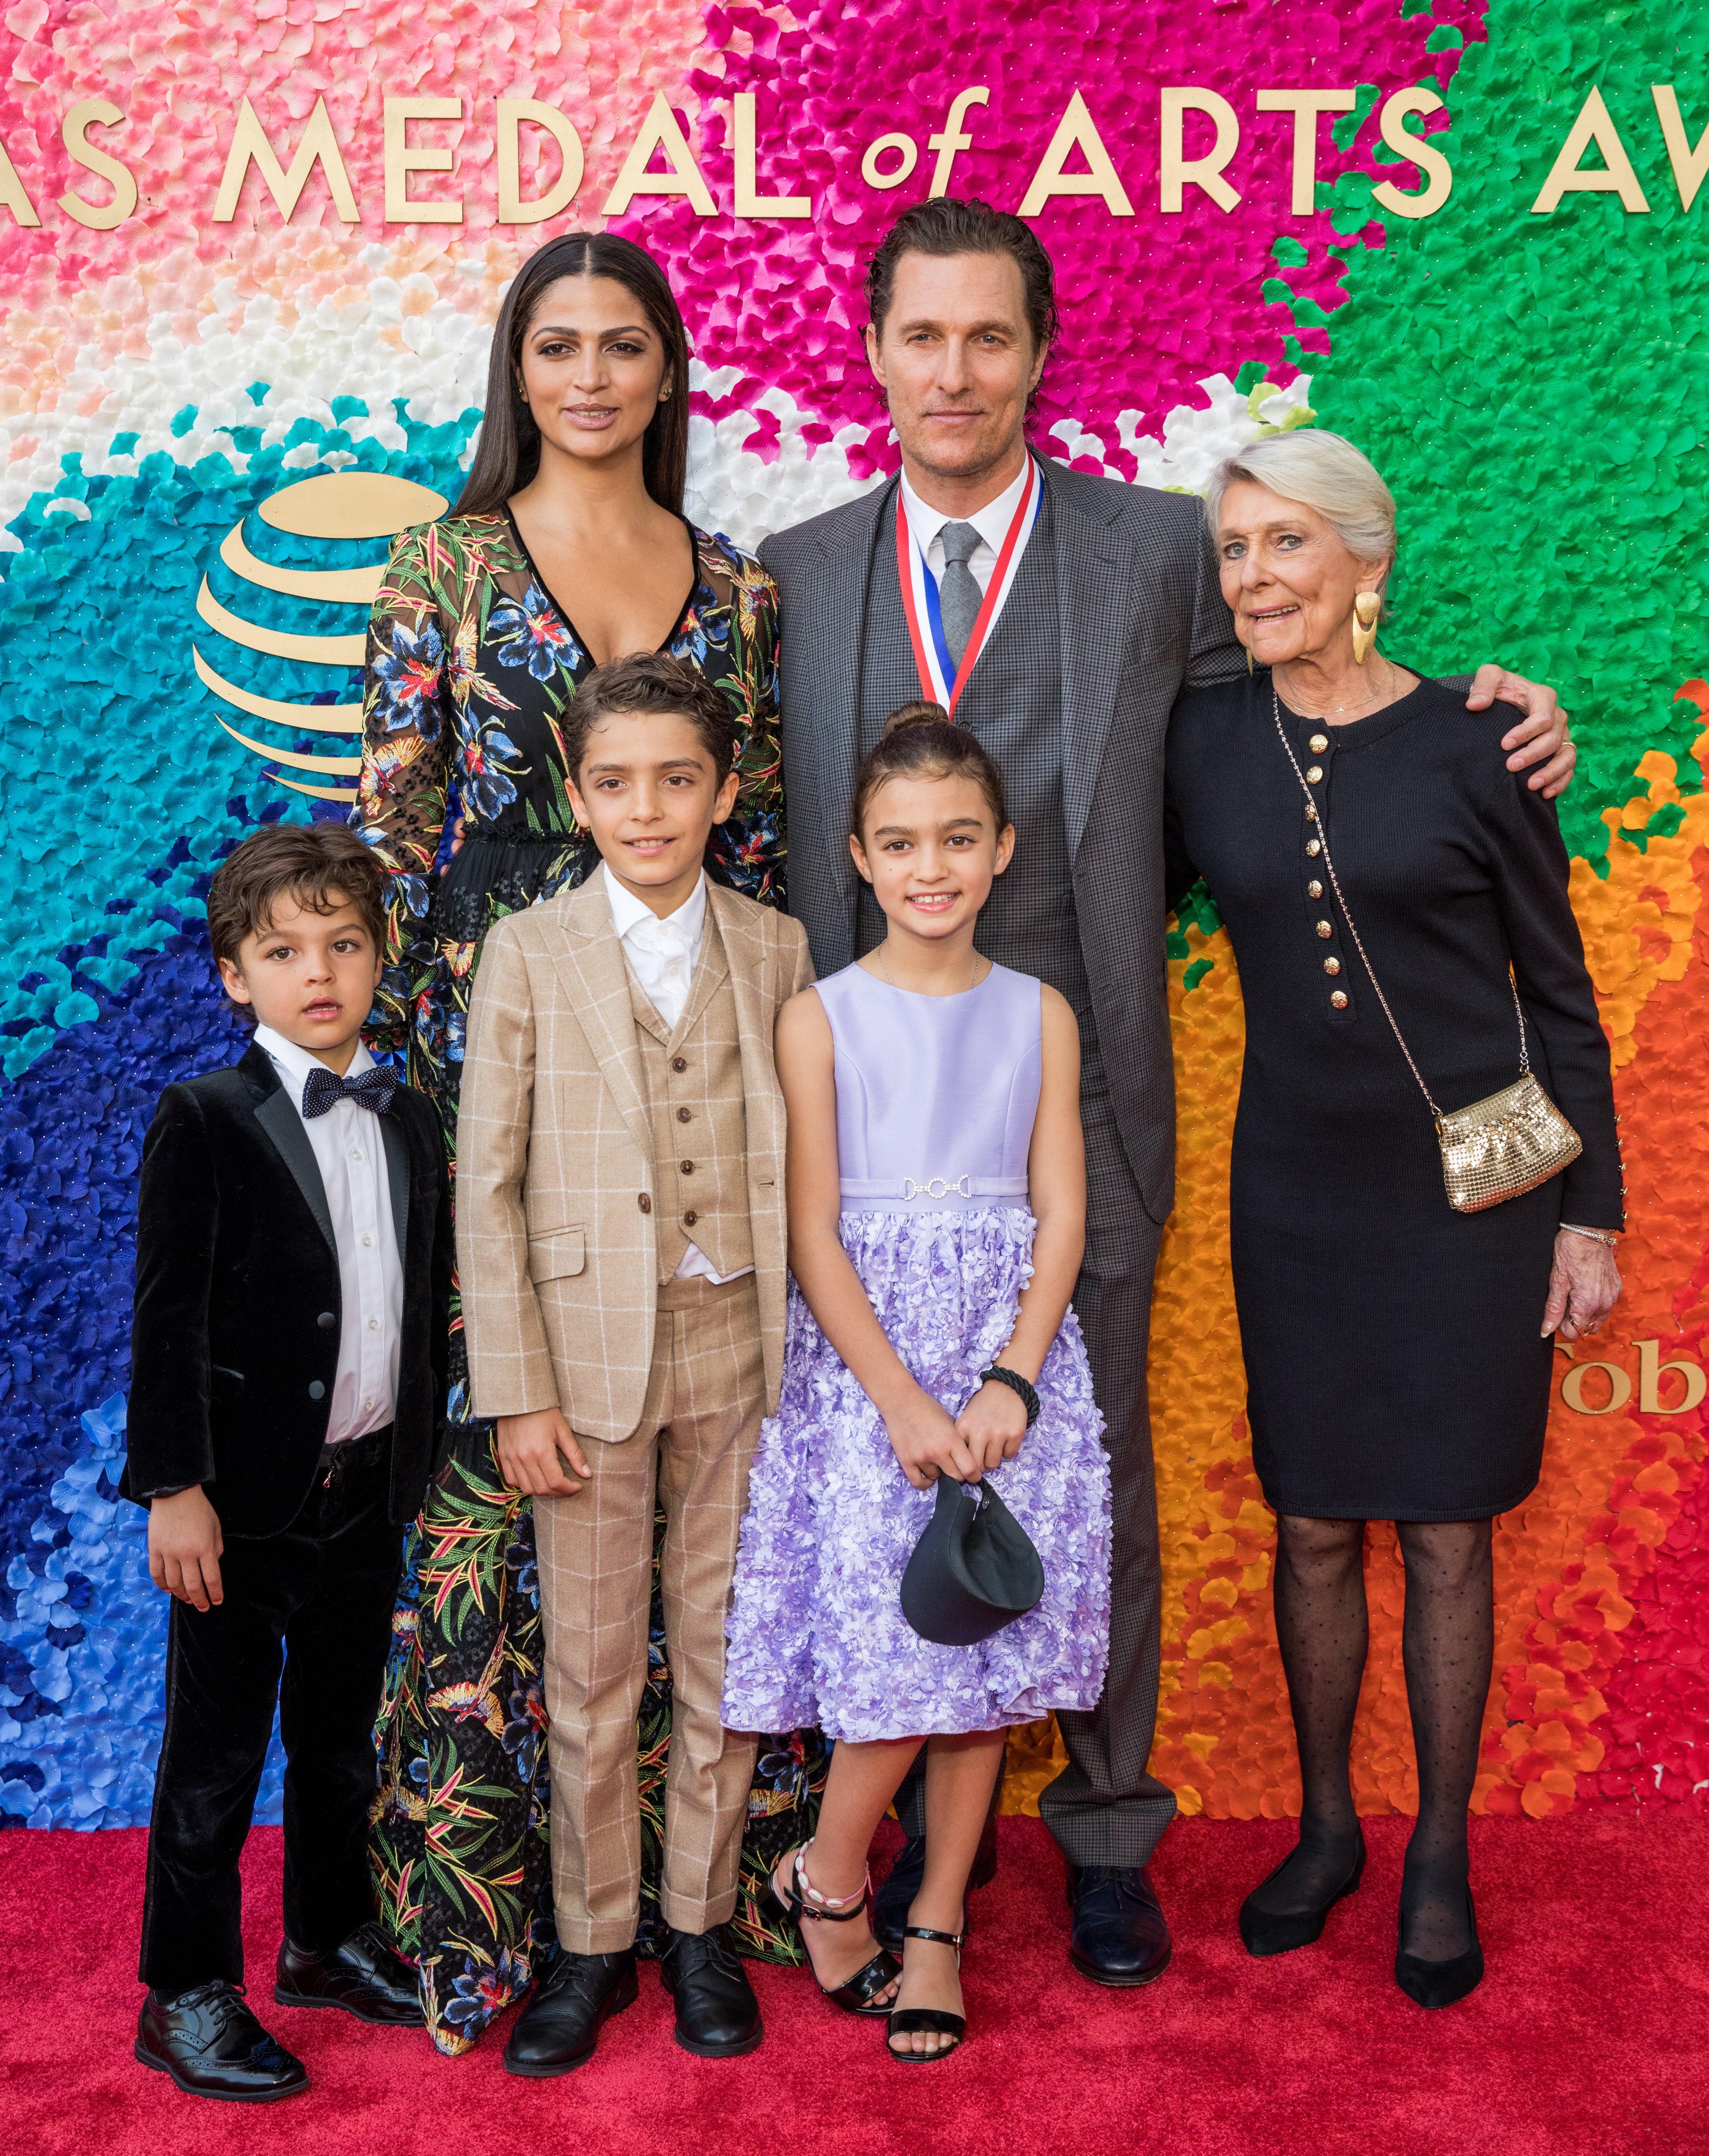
472	656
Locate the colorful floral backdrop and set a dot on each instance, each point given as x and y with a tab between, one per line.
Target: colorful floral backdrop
1533	385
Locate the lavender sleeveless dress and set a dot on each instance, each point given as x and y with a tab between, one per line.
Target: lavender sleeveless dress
936	1100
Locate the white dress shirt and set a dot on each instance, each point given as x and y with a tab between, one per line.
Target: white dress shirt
662	955
992	523
351	1153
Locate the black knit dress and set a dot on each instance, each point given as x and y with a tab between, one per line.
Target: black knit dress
1395	1367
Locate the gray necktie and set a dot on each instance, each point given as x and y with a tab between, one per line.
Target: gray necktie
959	596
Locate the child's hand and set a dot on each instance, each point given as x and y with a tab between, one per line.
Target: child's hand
185	1546
529	1446
928	1444
992	1423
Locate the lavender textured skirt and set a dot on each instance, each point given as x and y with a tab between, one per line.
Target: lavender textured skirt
817	1634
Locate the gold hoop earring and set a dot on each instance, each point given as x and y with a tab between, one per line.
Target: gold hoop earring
1367	606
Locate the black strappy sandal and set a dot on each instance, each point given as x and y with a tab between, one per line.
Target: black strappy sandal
856	1994
931	2020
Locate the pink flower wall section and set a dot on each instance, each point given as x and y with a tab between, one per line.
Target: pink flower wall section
1154	302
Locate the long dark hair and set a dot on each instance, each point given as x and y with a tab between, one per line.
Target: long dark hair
508	453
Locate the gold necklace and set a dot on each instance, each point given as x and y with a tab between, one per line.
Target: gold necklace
1386	696
878	953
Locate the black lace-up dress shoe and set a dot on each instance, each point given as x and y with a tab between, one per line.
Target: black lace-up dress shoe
717	2015
210	2043
560	2026
1120	1936
363	1976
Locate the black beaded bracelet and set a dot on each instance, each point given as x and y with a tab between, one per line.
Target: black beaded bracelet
1018	1385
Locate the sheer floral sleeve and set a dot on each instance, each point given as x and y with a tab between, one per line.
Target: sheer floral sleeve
743	663
408	740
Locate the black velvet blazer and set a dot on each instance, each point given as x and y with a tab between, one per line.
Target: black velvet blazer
234	1342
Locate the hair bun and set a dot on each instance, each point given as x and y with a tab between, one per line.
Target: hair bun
919	714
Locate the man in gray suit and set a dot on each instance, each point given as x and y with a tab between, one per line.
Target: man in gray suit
1107	609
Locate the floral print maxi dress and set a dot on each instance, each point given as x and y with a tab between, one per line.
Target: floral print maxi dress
471	666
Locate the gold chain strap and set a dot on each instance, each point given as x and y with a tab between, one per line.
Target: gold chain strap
1335	885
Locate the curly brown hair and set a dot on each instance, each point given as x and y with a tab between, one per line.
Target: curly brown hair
320	865
652	683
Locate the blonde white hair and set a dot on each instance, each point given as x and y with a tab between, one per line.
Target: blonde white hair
1326	473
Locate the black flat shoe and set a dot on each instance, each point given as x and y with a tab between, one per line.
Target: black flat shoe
363	1976
717	2015
1263	1931
1434	1983
1120	1935
210	2043
559	2027
856	1994
932	2020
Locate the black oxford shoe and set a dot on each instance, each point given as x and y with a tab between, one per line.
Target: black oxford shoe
560	2026
363	1976
1120	1935
210	2043
717	2015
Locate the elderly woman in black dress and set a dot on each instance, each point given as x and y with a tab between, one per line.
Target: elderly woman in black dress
1397	1351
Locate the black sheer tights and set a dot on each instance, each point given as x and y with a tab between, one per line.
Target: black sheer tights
1448	1646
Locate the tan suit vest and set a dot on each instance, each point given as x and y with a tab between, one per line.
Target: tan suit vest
694	1092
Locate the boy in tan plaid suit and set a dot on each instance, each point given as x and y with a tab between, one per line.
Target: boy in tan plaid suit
621	1242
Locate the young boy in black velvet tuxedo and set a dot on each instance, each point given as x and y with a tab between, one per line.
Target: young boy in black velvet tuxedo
293	1279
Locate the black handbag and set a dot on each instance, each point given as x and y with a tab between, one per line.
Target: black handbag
973	1570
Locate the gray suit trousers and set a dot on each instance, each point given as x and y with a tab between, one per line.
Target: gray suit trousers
1104	1807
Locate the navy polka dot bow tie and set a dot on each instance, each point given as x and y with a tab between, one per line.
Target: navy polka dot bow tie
322	1091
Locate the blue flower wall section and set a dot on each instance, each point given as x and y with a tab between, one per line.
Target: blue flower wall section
122	795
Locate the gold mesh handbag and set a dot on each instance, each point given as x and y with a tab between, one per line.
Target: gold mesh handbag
1500	1147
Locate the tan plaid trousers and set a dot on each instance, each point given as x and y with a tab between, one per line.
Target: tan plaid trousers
705	1400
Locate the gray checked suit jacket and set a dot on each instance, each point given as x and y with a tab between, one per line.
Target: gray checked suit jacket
1141	619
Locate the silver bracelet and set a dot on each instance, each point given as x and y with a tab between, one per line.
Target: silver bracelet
1603	1235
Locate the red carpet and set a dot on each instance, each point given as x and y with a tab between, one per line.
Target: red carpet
1590	2037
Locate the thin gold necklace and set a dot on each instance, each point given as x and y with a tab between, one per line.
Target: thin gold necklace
1331	716
878	953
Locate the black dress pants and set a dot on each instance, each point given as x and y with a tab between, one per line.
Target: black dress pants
317	1599
1106	1806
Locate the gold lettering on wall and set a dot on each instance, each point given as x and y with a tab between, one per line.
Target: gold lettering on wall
1306	105
513	113
1432	165
250	145
746	199
12	192
1690	165
1651	1370
906	152
402	157
96	112
1176	170
953	139
1619	1388
1594	124
660	130
1076	131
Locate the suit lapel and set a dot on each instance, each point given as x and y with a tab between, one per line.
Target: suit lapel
397	1142
277	1114
837	631
590	964
1096	595
745	955
713	966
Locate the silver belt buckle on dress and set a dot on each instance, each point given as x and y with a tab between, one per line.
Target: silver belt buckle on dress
937	1186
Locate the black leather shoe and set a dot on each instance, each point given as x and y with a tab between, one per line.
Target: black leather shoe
560	2026
1120	1934
717	2015
561	2023
363	1976
210	2043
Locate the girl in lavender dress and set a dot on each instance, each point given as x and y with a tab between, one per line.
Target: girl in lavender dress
936	1216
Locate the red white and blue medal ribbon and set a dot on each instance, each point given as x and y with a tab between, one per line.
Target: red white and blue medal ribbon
940	681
